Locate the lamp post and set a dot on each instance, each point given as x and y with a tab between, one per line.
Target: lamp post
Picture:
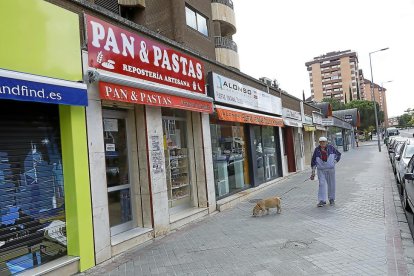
373	98
383	96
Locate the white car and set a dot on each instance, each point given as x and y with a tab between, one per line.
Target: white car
402	158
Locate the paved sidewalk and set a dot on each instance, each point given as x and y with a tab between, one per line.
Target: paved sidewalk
361	235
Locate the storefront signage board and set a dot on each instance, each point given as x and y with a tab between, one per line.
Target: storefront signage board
228	91
31	88
348	118
317	118
327	121
226	114
309	128
114	92
307	120
289	113
117	50
293	123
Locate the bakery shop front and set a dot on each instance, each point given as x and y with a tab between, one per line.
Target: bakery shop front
147	110
245	131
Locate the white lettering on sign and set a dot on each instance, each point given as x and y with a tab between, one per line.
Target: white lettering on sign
160	58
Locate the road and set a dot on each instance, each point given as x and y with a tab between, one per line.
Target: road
365	233
407	132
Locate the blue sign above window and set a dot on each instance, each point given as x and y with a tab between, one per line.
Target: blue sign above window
26	87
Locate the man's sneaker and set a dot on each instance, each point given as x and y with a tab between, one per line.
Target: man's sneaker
321	203
332	202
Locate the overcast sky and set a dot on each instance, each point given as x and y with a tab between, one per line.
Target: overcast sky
276	38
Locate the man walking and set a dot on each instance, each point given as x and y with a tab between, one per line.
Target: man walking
324	159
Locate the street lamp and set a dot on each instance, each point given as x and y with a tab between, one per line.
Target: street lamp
383	97
372	96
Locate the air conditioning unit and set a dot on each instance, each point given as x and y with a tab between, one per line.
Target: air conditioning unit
267	81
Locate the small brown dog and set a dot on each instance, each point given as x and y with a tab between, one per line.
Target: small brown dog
266	204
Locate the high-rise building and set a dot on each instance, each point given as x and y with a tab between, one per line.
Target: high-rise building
360	85
206	27
379	96
334	75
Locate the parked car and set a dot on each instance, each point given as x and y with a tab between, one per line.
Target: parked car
402	158
397	150
393	144
389	132
408	188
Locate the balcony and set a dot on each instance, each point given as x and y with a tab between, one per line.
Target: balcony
228	3
132	3
222	12
226	52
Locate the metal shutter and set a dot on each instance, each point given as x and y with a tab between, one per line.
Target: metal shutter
32	210
111	5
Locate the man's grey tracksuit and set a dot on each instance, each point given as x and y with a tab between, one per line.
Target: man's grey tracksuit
326	171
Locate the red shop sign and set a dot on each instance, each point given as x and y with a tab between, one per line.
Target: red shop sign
114	49
120	93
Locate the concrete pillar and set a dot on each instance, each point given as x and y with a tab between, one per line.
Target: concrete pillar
102	235
144	180
282	152
158	179
200	175
208	161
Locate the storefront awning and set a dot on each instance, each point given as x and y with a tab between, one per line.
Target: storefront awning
236	115
292	122
31	88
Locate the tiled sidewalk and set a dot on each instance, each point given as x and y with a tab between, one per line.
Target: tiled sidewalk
361	235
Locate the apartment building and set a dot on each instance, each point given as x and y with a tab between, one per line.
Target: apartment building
393	121
379	96
361	85
334	75
206	27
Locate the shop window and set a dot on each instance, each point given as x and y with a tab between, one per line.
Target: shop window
230	162
196	21
32	198
177	158
266	153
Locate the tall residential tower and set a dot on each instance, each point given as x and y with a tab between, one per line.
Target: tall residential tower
334	75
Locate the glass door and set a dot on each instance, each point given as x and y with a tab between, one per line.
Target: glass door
117	171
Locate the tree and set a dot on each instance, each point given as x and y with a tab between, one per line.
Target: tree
350	94
358	92
336	104
366	111
404	120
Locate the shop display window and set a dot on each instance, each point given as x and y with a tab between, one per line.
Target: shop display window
32	198
230	161
176	158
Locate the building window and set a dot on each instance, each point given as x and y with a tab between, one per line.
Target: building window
196	21
230	161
